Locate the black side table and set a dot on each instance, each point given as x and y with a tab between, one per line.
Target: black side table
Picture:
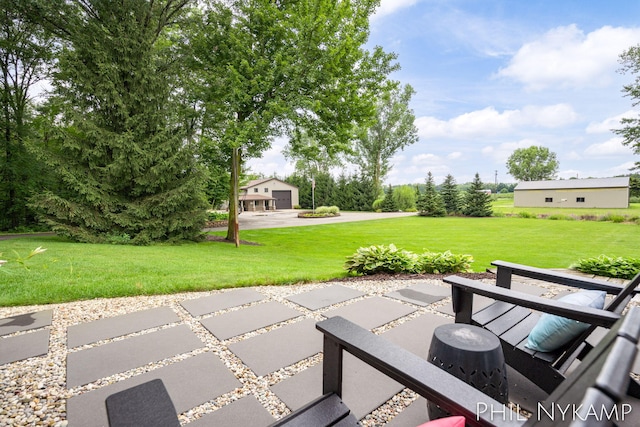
473	355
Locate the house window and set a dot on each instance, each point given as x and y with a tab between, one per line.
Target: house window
255	190
266	190
580	199
548	199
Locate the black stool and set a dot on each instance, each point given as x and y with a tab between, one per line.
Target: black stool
473	355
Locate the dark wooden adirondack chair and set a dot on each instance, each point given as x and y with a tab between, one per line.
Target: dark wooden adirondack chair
600	381
511	317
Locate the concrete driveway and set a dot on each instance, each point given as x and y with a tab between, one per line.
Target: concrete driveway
289	218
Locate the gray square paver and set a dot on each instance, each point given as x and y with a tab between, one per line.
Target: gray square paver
91	364
190	383
324	297
422	294
23	346
225	326
243	412
112	327
372	312
281	347
415	335
221	301
25	322
363	387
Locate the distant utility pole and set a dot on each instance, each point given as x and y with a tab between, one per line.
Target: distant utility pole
496	180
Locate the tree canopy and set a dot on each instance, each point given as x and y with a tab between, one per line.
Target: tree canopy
534	163
393	129
122	145
269	68
630	131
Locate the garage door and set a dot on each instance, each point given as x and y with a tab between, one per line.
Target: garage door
283	199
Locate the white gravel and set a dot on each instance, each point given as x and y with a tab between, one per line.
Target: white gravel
33	392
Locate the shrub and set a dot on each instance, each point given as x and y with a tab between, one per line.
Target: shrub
389	259
444	262
327	210
557	217
622	268
525	214
381	259
217	216
377	204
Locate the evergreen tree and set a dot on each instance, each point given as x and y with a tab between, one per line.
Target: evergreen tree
25	59
126	151
389	204
451	195
477	202
430	203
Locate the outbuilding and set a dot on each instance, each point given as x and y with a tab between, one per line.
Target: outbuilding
268	194
573	193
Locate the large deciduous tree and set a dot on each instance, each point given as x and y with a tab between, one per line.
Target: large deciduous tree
25	53
534	163
393	129
630	131
124	144
268	68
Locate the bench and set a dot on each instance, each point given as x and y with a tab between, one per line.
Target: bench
514	314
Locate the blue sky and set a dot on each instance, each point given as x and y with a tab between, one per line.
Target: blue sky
492	76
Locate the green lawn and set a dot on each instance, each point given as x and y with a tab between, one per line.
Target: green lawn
71	271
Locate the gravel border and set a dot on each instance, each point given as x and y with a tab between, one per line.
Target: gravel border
33	391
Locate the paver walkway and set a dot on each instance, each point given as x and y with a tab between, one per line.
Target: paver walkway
244	356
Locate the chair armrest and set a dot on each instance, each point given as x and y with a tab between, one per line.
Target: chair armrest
505	269
463	289
426	379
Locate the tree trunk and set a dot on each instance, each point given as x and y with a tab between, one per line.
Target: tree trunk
233	229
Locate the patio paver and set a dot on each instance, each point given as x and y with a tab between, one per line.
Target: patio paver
24	346
246	411
25	322
112	327
190	383
422	294
249	319
372	312
281	347
324	297
91	364
221	301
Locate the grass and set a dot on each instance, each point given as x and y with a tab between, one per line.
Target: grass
71	271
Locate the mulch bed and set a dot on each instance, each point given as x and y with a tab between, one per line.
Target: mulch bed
382	276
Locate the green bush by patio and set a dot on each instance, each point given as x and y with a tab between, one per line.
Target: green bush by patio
389	259
618	267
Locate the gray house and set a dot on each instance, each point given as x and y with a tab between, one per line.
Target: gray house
268	194
573	193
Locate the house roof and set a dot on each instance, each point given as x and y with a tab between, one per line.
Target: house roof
257	182
249	197
565	184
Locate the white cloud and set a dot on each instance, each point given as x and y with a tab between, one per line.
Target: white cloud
388	7
490	122
611	147
501	152
454	156
609	123
567	57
